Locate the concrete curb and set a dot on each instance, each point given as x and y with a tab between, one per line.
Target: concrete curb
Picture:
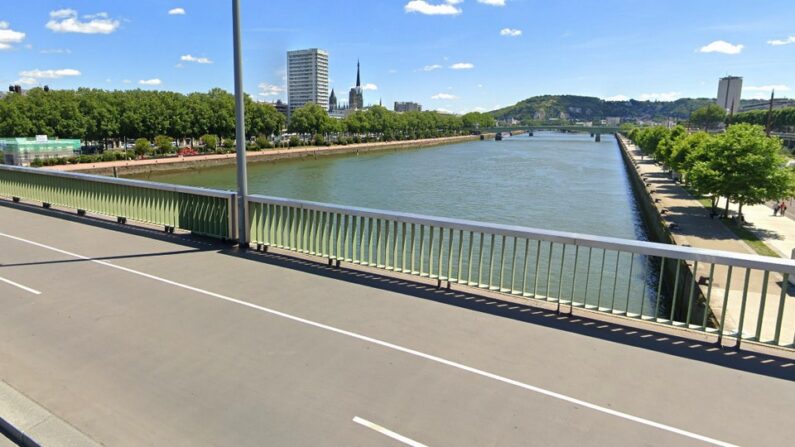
31	425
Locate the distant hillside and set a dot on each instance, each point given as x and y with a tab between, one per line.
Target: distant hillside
591	108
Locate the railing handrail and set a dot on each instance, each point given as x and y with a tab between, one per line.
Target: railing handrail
601	242
125	182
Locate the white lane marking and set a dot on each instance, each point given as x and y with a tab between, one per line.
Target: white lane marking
399	348
387	432
26	289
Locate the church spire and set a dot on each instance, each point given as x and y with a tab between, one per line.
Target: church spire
358	77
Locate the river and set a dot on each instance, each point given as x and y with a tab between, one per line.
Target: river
554	181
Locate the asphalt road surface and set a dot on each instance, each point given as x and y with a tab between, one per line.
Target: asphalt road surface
138	338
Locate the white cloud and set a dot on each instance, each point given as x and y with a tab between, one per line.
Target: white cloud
667	96
444	96
432	9
493	2
392	71
441	110
510	32
430	67
266	89
198	60
763	91
56	51
369	86
176	12
617	98
49	74
767	88
67	21
721	46
126	81
9	36
778	42
462	66
150	81
26	81
63	13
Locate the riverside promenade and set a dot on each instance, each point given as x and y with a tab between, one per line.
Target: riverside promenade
130	167
689	224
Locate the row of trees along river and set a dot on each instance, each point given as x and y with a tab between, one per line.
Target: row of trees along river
743	164
112	116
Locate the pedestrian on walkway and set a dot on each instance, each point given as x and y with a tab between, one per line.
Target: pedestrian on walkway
783	208
775	209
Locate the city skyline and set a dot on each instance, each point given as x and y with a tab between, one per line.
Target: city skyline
453	56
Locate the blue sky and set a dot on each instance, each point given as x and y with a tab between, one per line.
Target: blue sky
455	55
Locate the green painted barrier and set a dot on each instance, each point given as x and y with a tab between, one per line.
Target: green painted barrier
658	283
201	211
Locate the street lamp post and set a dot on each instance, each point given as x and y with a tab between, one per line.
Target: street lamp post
240	133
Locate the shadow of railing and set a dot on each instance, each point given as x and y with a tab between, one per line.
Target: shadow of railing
651	338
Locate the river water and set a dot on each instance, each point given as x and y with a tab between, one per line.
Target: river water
555	181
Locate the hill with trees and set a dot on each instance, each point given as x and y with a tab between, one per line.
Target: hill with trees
588	108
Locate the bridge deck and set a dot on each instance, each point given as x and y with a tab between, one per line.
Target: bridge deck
141	339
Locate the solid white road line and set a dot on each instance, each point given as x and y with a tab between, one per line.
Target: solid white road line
433	358
387	432
26	289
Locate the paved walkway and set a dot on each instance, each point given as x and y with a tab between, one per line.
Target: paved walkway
269	154
778	232
694	227
138	338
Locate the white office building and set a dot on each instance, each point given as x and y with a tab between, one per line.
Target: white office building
307	78
729	93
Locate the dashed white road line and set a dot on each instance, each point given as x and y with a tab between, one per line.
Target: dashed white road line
20	286
394	347
387	432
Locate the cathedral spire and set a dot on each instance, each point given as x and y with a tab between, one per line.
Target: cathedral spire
358	77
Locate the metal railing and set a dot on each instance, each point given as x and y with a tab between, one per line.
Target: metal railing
648	281
201	211
729	294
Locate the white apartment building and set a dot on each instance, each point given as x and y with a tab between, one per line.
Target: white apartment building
729	93
307	78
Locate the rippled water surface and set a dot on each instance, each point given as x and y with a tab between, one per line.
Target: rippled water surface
552	180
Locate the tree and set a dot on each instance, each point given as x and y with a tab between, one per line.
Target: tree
746	166
688	150
708	117
141	147
310	119
648	138
164	144
210	142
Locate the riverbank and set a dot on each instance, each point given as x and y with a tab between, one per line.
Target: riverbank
146	166
688	223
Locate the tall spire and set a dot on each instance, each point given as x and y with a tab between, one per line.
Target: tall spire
358	77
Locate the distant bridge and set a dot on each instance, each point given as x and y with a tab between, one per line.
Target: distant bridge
596	131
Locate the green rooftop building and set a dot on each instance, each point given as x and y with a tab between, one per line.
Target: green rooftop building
22	151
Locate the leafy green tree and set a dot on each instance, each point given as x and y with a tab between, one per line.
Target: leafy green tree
688	150
310	119
708	117
141	147
210	142
164	144
746	167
